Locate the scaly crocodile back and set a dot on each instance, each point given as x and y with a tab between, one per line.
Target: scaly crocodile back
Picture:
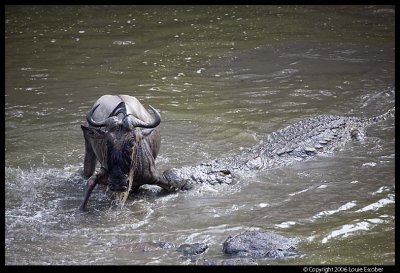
310	136
303	139
379	118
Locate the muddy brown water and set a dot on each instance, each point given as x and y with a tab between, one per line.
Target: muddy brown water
222	78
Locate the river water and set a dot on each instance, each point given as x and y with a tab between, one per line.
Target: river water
223	78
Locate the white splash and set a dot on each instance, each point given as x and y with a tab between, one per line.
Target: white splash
295	193
381	189
346	206
286	224
346	230
379	204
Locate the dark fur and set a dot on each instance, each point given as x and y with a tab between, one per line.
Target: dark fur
119	151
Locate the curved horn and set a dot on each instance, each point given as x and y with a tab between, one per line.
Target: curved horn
132	121
108	121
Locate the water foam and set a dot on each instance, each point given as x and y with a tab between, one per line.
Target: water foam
379	204
346	206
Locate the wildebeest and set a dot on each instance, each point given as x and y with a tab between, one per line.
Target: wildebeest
125	139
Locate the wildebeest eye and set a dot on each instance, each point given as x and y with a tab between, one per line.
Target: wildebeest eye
130	144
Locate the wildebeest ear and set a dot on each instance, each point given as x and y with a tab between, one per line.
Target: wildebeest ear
92	132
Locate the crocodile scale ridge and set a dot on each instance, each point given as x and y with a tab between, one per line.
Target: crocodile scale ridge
301	140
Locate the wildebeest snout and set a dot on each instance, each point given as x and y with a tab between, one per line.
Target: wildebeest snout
119	183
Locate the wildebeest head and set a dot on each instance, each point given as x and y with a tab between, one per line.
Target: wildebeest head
122	138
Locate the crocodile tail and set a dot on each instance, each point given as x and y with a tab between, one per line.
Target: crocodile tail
379	118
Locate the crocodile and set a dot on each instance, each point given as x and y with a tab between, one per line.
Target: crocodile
301	140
